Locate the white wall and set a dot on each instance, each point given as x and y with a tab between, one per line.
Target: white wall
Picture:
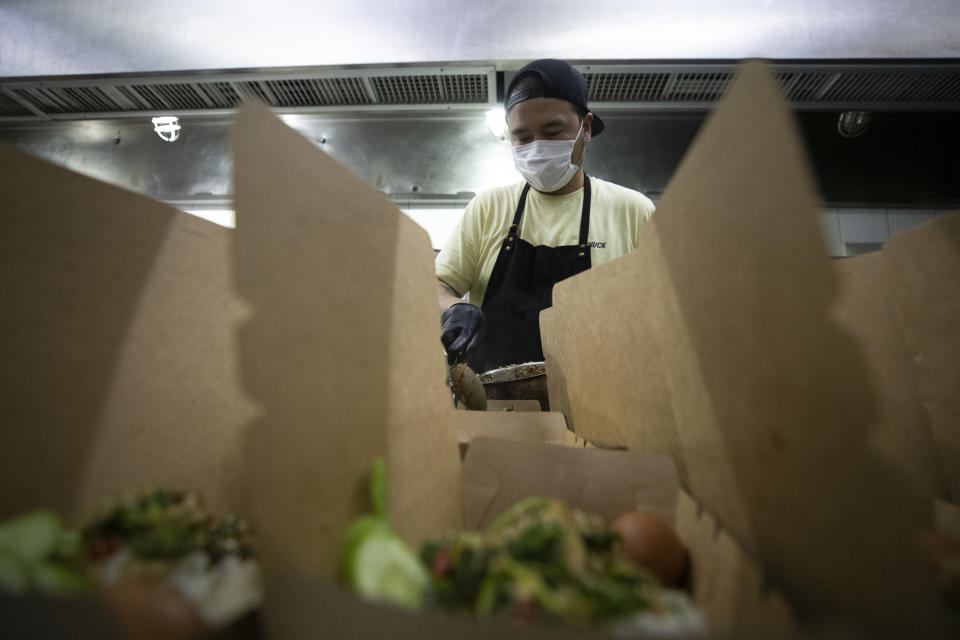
850	232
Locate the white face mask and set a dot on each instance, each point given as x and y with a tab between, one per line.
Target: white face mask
546	164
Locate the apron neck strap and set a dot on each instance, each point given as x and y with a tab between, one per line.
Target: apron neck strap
584	218
514	231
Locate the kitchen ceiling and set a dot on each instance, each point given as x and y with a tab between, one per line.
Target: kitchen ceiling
53	38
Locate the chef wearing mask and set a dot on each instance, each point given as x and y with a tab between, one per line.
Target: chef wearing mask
515	242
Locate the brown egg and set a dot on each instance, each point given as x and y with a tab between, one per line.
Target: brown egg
650	541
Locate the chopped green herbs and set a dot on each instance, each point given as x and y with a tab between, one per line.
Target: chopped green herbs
539	560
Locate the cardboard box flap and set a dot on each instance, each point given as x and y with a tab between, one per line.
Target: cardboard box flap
924	263
901	433
610	397
341	350
527	426
509	405
770	400
117	367
727	585
498	473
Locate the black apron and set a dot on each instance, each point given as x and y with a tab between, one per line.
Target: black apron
520	287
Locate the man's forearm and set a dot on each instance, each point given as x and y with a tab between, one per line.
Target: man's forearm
446	296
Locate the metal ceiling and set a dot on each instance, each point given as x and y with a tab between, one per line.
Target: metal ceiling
895	86
136	37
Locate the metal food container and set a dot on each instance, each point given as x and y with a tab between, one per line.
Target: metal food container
527	381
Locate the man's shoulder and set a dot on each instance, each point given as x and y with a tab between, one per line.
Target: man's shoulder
495	194
619	193
496	198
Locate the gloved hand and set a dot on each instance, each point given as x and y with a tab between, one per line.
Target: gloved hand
461	329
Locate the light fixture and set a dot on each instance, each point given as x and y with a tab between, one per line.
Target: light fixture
496	121
167	127
853	123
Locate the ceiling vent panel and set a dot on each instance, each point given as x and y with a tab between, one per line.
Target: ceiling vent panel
805	87
89	99
407	90
11	108
696	87
176	97
625	87
465	88
628	86
54	99
313	92
908	88
430	89
222	94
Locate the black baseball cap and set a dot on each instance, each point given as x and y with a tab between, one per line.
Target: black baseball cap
560	80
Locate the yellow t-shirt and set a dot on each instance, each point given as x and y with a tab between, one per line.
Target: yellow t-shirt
616	215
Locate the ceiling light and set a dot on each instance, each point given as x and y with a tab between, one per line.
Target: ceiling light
167	127
853	123
496	121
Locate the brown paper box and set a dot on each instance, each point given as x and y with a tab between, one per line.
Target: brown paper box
726	584
923	265
496	474
902	305
718	346
522	426
340	349
510	405
865	309
118	370
117	363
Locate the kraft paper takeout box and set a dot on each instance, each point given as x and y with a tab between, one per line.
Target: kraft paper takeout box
723	342
903	306
340	349
524	426
118	367
727	585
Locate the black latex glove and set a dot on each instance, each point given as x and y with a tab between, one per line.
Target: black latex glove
461	329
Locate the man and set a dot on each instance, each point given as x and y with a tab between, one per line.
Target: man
515	242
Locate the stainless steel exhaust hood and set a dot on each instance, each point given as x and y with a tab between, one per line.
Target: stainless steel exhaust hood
891	86
397	91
